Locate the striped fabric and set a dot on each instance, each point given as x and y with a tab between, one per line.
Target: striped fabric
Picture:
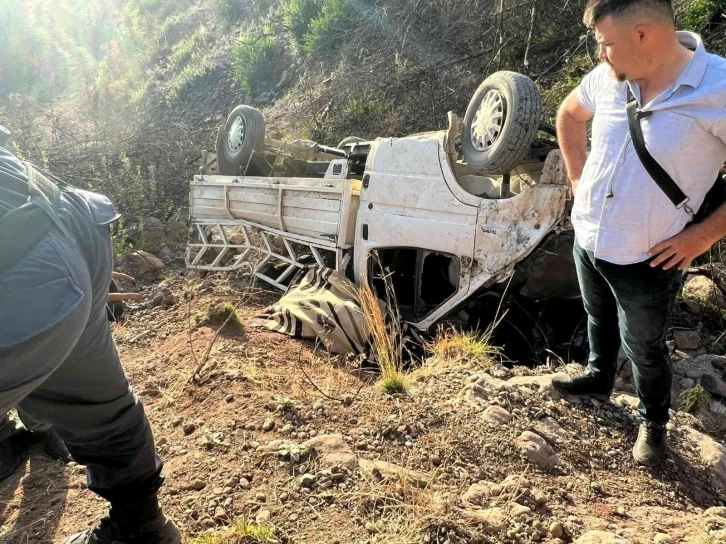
320	303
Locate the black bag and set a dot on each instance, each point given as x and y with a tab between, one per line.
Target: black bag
716	195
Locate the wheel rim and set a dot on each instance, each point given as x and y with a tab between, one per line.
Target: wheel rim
236	135
488	121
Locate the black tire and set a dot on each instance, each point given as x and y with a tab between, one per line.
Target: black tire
517	99
231	160
350	140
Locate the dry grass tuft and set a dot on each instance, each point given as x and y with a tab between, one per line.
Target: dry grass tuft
400	511
456	347
385	336
393	383
222	313
242	533
695	399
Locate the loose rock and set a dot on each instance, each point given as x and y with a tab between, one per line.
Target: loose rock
703	291
556	529
497	415
141	263
687	339
331	450
389	471
308	480
537	450
198	485
550	430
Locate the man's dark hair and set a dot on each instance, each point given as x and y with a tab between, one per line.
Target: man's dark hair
598	9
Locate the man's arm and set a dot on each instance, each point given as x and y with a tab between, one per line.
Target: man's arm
697	239
693	241
572	120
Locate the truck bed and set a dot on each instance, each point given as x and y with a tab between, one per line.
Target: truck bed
313	208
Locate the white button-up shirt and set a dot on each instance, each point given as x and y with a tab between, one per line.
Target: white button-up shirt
619	212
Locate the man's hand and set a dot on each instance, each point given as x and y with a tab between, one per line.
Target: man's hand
123	277
682	248
122	297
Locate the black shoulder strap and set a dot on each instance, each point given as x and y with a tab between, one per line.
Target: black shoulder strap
660	176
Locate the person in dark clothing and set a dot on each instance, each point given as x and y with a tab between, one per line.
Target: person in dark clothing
58	362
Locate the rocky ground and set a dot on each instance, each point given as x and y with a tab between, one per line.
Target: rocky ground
261	429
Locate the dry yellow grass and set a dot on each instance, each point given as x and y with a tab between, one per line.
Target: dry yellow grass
385	336
456	347
243	533
400	511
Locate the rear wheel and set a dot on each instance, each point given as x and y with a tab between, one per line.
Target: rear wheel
501	122
242	135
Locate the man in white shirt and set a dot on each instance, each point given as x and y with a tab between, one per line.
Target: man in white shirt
632	242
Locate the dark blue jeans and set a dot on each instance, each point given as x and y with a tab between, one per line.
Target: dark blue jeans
630	304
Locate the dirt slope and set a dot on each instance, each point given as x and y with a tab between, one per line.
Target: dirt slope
464	465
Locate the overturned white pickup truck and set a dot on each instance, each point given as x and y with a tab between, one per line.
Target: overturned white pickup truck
446	229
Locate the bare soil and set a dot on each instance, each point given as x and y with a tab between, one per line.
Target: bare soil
222	467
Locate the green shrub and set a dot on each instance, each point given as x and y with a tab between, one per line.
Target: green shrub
187	49
146	5
362	109
122	247
324	30
256	62
192	72
569	77
698	14
228	11
297	16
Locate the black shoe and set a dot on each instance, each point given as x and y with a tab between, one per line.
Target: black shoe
127	527
12	452
53	445
651	444
583	384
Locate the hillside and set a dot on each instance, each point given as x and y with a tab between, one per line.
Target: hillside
122	96
270	440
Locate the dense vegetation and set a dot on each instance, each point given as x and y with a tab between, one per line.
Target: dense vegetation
122	95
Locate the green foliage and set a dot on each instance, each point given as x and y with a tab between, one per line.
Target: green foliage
189	76
695	399
316	25
28	63
324	30
222	314
454	347
696	15
133	188
146	5
297	16
228	11
256	62
393	383
122	247
569	77
188	49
